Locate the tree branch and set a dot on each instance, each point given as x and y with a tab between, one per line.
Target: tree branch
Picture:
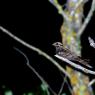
88	18
75	65
59	8
91	82
35	49
61	88
34	71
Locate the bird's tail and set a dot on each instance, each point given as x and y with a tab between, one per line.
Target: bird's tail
85	62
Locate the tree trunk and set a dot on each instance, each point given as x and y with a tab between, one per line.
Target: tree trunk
69	31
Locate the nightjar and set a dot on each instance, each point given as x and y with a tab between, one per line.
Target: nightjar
66	53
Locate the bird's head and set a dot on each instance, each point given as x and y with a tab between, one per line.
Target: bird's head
57	44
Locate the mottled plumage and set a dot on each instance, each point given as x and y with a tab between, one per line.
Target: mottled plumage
66	53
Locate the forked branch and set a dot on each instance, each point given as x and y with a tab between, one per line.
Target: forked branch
87	19
35	49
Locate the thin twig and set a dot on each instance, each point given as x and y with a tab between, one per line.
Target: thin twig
66	81
91	82
35	49
61	88
41	78
88	18
37	74
70	89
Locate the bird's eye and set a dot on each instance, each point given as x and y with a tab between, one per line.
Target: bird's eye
56	43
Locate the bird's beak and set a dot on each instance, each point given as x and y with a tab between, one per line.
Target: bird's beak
53	44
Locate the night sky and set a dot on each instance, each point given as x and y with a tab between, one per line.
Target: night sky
38	25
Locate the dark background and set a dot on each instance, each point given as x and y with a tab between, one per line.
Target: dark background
38	23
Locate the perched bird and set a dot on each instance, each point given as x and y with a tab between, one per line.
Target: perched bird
66	53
